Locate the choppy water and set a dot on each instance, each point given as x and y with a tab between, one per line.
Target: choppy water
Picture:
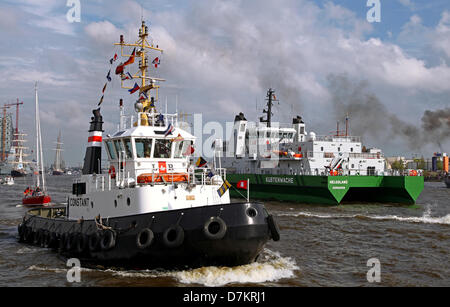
319	246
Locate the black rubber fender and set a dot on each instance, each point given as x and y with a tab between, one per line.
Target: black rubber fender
173	236
273	226
81	243
215	228
94	241
45	241
108	240
71	239
144	238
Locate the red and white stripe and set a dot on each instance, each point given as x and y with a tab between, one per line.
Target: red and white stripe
95	139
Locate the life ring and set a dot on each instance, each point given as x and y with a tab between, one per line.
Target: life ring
108	240
273	226
215	228
81	243
413	172
169	177
173	236
112	172
94	240
144	238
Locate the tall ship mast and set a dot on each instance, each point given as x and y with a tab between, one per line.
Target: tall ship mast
20	165
58	164
154	207
285	162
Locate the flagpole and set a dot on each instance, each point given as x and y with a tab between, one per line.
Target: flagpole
248	190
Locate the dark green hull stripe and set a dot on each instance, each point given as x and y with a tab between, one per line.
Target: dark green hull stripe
331	189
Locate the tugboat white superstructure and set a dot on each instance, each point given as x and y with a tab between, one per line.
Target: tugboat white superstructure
154	207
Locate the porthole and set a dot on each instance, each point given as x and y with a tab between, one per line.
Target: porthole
128	201
92	204
251	212
115	203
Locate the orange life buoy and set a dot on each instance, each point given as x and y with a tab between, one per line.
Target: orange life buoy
112	172
169	177
413	172
299	155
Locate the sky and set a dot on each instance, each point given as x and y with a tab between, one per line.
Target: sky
323	58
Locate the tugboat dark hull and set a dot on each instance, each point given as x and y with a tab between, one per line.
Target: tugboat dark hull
220	235
447	181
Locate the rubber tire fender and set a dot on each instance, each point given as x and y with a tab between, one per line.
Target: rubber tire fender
71	241
179	236
94	241
220	233
107	240
81	243
150	237
273	226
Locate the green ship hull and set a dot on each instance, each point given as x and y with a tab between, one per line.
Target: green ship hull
331	190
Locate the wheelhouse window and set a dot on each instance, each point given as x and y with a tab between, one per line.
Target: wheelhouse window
119	148
183	149
128	148
163	148
111	150
143	148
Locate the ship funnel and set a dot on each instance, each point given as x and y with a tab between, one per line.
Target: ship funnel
92	159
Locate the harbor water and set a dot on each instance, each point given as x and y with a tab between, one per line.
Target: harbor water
319	246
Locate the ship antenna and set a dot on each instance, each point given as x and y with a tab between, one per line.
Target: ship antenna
141	47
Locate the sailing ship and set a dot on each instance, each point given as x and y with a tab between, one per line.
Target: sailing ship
37	196
154	207
284	162
20	164
58	165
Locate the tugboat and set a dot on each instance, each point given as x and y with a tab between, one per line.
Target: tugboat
155	208
37	196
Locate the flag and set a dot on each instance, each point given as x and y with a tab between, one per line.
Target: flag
127	76
131	59
113	59
189	151
225	186
104	88
168	130
179	138
156	61
210	174
101	100
242	184
146	97
109	76
134	89
201	162
119	69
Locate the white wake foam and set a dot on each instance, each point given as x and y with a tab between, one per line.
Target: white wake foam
272	268
425	218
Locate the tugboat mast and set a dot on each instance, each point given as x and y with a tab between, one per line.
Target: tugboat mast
141	48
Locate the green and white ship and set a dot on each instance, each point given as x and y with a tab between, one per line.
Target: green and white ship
284	162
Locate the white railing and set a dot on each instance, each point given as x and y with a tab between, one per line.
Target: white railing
202	176
149	119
